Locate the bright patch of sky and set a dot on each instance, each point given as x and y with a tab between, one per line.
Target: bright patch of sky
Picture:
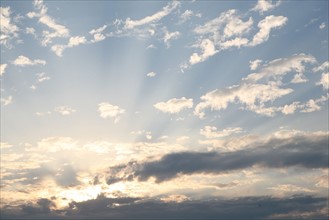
122	81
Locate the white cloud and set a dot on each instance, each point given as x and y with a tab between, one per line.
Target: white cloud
151	74
299	78
57	30
174	105
73	42
236	42
291	108
130	24
275	69
290	188
255	64
324	81
98	33
168	36
7	101
182	139
211	132
64	110
107	110
8	28
323	67
30	30
41	77
55	144
147	134
25	61
322	25
208	49
265	5
265	27
237	27
186	16
5	145
151	46
3	68
313	105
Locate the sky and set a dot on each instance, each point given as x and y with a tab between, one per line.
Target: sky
171	109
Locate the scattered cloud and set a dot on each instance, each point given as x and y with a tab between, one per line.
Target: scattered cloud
174	105
9	29
7	101
64	110
151	74
211	132
55	30
265	26
265	5
130	24
187	15
106	110
323	67
98	33
299	78
168	36
322	25
25	61
207	50
3	68
151	46
73	42
41	77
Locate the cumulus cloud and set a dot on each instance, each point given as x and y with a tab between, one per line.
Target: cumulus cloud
7	101
106	110
211	132
98	33
25	61
265	26
55	30
265	5
324	81
9	29
3	68
207	50
305	150
73	42
151	74
174	105
168	36
64	110
255	64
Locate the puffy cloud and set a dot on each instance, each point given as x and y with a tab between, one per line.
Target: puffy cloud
187	15
130	24
237	27
299	78
208	49
280	67
3	68
64	110
174	105
265	5
253	96
236	42
25	61
106	110
255	64
211	132
98	33
8	27
305	150
57	30
324	81
168	36
151	74
7	101
73	42
265	27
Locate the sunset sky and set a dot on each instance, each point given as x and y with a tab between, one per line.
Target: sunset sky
171	109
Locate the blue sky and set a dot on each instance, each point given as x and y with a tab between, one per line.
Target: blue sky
139	85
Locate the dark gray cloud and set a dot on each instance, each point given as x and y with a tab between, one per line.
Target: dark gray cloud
133	208
304	151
